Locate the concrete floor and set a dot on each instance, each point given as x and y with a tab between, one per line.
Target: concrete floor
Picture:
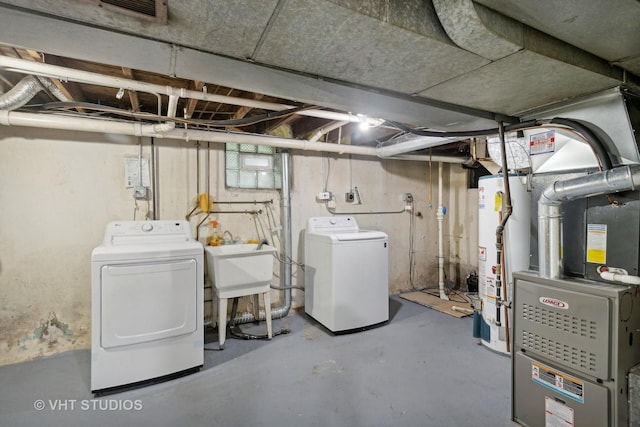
422	369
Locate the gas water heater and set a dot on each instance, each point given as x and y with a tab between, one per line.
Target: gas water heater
495	316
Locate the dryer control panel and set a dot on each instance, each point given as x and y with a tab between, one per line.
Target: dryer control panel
127	232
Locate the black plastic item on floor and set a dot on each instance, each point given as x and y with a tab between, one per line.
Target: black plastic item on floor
235	331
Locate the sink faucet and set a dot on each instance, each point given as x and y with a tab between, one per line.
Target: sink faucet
262	242
229	233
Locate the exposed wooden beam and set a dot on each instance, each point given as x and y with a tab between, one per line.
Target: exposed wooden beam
72	90
243	111
133	95
191	105
275	124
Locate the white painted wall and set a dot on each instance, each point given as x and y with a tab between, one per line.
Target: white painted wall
59	190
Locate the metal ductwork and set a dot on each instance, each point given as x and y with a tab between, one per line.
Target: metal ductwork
409	143
26	89
20	94
624	178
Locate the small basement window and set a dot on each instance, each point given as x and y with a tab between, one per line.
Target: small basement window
252	166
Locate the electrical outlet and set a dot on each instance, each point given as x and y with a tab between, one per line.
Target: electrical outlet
326	195
349	197
140	192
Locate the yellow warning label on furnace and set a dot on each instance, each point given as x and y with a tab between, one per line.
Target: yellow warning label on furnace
597	243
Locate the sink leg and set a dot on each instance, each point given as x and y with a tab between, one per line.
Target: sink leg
222	320
267	313
256	307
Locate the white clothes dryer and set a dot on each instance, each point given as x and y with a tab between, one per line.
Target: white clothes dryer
346	274
147	293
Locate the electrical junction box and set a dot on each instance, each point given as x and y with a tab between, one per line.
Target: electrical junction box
140	192
136	172
349	197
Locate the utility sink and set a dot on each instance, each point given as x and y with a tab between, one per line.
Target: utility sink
237	270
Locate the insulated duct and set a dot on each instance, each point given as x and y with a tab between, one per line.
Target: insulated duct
26	89
53	89
624	178
20	94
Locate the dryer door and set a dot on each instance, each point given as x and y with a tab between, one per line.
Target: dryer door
147	302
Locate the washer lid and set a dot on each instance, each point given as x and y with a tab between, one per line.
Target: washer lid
360	235
351	236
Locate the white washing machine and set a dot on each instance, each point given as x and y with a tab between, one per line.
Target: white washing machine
147	289
346	274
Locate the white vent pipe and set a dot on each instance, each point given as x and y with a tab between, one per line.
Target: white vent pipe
440	217
69	74
168	130
408	144
623	178
325	130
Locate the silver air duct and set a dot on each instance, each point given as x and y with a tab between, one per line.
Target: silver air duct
53	89
20	94
624	178
26	89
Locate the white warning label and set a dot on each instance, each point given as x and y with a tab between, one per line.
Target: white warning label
541	143
557	414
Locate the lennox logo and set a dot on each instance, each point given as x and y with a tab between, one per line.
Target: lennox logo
552	302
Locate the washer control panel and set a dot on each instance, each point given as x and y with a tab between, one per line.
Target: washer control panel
325	224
